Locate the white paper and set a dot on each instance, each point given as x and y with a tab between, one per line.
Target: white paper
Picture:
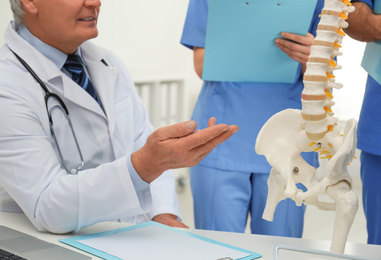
154	242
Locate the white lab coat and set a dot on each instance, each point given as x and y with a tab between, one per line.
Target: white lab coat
31	177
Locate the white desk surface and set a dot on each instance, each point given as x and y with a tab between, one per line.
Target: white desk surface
257	243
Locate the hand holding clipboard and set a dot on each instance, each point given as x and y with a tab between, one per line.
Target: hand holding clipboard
240	39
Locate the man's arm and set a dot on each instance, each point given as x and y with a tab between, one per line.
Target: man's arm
364	24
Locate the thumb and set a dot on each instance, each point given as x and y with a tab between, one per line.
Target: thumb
177	130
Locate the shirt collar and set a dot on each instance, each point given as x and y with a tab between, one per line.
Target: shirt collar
53	54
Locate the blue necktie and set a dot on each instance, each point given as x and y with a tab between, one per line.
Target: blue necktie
74	65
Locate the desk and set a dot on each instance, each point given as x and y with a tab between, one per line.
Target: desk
257	243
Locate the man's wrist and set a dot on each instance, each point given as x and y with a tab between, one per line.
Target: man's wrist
137	181
144	167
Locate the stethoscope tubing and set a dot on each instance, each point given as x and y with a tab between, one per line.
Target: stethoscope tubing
48	95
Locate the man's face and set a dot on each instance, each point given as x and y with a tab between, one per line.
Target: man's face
66	24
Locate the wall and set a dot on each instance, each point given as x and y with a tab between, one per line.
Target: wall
349	99
146	35
5	16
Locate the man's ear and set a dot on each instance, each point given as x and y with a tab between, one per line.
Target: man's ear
30	6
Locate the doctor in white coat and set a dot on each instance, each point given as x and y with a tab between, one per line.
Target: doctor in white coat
124	173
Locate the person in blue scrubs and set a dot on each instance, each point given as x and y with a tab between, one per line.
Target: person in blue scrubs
364	26
230	184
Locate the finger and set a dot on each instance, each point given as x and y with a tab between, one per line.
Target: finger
300	39
203	136
212	121
292	46
177	224
176	130
202	150
169	220
295	51
298	56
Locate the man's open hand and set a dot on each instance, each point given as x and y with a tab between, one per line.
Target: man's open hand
178	146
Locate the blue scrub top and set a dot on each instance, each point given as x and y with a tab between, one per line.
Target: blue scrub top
248	105
369	126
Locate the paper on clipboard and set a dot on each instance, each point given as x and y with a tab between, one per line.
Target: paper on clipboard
151	240
371	60
240	38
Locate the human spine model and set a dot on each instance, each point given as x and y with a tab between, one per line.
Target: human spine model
291	131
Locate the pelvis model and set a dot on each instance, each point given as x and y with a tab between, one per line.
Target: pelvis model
290	132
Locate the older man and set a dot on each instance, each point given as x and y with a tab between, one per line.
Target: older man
75	144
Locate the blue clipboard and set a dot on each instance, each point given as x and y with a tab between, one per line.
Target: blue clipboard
371	60
240	38
76	241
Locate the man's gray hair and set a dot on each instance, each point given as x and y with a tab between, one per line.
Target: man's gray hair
18	12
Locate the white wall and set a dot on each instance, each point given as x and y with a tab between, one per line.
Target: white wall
146	35
349	99
5	16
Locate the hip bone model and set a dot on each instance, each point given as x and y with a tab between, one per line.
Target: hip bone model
290	132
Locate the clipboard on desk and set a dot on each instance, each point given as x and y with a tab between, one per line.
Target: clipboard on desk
240	38
151	240
371	60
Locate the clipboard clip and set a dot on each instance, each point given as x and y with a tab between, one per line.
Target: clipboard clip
247	3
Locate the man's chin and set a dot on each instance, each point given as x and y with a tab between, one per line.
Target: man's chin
90	36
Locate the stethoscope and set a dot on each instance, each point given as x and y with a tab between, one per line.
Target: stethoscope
50	95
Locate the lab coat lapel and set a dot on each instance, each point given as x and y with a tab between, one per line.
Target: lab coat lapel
103	78
78	95
104	83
